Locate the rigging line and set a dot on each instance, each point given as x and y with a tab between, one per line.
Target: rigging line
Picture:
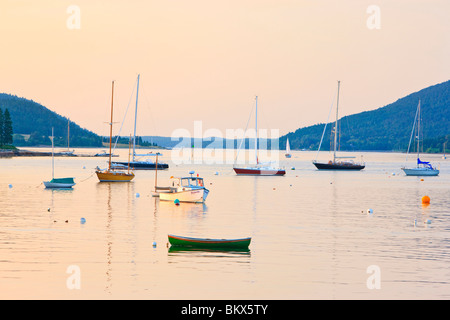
243	139
152	118
412	132
87	178
118	135
325	128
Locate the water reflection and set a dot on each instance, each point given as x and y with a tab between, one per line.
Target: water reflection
190	210
109	238
219	252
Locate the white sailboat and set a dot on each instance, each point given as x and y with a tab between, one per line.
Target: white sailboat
258	169
68	152
288	149
57	182
444	156
423	168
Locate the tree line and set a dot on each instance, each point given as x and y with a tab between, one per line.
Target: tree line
6	129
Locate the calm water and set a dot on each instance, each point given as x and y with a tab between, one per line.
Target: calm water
312	236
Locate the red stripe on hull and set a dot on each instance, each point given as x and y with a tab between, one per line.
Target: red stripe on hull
259	172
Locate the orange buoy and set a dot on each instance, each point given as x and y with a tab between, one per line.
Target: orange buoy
426	199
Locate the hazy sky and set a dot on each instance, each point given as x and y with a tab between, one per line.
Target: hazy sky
207	59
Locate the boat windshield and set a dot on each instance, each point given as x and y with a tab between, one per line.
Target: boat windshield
192	182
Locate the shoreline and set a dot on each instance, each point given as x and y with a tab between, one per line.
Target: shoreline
28	153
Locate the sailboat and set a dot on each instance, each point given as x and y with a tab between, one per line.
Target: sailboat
288	149
423	168
258	170
444	156
337	163
57	182
139	164
68	152
112	175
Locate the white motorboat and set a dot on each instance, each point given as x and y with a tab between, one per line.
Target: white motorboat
185	189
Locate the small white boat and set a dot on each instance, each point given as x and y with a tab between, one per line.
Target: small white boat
186	189
288	149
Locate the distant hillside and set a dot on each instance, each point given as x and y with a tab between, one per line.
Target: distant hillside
32	124
387	128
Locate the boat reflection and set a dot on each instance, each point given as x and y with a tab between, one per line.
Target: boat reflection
213	252
185	208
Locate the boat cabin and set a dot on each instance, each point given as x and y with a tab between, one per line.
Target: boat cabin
188	182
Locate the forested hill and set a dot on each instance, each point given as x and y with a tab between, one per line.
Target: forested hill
32	125
387	128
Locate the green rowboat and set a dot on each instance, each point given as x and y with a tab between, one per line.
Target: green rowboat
207	243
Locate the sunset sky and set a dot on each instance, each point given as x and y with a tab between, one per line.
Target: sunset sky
207	59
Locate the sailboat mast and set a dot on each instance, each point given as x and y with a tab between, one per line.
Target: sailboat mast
336	124
135	117
156	171
418	132
256	130
110	128
129	149
53	156
68	134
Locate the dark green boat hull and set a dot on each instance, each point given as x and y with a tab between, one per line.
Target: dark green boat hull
206	243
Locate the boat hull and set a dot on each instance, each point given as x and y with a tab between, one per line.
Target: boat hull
62	183
206	243
114	176
259	172
194	195
55	185
420	172
338	166
142	165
